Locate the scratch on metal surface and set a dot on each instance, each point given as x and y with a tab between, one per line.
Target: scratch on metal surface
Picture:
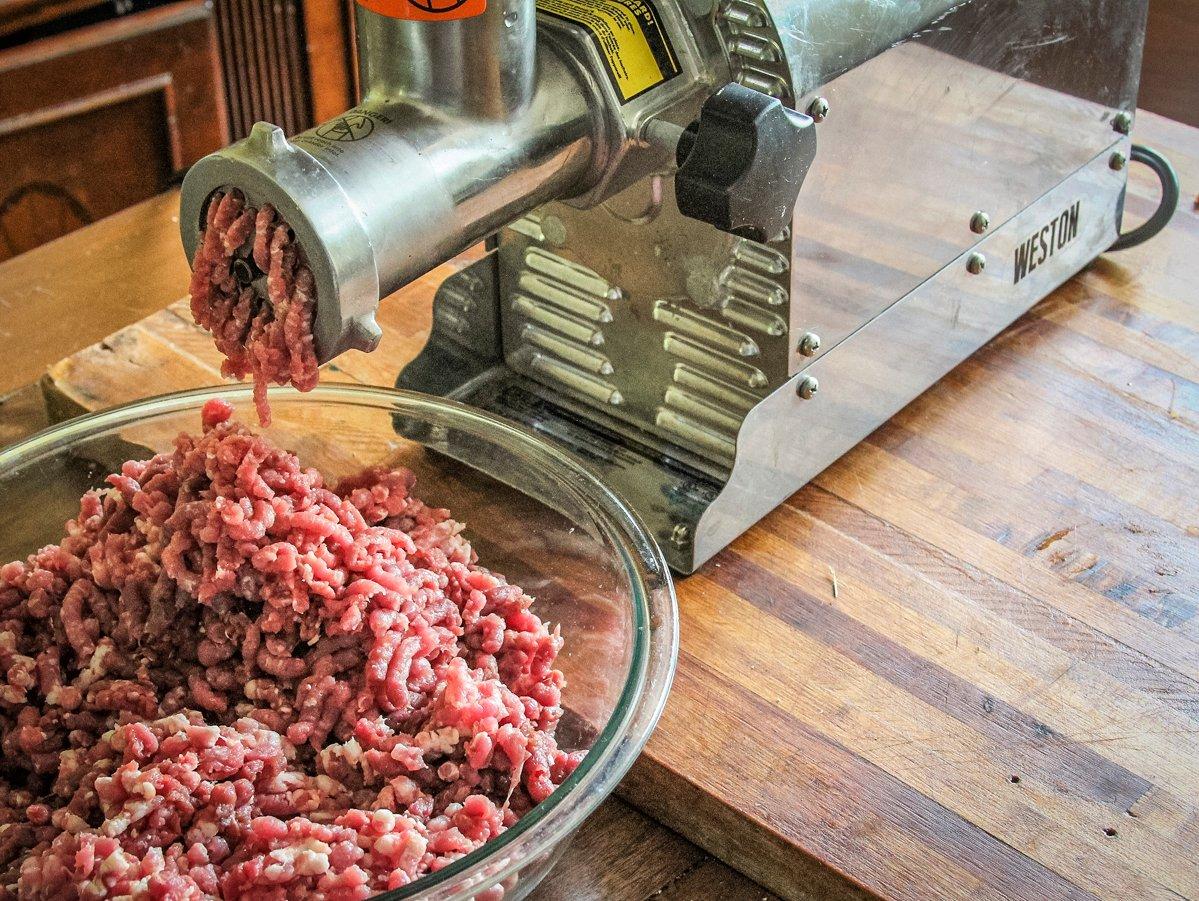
1044	42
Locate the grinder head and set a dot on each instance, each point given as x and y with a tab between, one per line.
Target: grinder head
268	169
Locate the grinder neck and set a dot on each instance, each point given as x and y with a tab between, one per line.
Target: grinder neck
464	126
481	66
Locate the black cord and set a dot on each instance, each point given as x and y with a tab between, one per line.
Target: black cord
1165	210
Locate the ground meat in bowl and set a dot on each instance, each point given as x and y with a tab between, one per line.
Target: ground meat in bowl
243	254
231	679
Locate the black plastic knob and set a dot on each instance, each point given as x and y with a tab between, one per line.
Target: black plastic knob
741	165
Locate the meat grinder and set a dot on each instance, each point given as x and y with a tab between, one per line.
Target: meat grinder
726	239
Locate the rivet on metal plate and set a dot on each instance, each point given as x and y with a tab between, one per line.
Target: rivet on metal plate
680	535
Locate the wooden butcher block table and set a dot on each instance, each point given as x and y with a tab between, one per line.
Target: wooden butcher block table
964	662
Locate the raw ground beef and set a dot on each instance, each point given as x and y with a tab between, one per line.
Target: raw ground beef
269	339
232	680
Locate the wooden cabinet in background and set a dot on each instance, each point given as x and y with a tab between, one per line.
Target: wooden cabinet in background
287	62
98	118
329	26
1170	73
106	102
262	48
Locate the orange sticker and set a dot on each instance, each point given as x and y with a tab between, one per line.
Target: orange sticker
426	10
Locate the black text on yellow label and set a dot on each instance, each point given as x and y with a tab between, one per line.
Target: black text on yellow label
630	37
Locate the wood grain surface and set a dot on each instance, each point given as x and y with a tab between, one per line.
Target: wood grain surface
621	855
66	295
17	15
964	662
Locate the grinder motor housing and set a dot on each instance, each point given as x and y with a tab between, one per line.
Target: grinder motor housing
727	239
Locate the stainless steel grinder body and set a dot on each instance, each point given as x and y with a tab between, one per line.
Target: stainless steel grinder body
965	168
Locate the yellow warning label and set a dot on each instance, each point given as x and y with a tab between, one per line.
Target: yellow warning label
630	37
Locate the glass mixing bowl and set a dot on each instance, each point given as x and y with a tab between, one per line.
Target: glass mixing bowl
531	512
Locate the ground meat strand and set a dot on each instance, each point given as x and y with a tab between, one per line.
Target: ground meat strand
230	679
270	340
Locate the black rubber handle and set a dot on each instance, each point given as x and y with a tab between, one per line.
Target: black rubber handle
742	163
1165	210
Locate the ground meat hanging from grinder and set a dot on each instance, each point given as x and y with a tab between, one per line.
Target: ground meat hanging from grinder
267	338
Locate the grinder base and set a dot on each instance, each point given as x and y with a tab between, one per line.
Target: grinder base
680	363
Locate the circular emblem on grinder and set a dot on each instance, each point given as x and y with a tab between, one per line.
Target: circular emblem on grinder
437	6
352	127
425	10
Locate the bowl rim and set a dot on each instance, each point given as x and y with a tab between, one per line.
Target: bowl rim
655	632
